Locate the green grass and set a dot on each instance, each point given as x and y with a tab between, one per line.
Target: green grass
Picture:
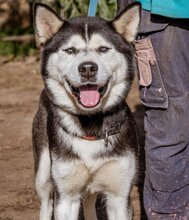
14	48
17	49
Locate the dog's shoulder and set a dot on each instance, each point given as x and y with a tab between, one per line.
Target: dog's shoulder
40	121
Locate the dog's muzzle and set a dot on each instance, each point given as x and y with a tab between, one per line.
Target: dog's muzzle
88	95
88	92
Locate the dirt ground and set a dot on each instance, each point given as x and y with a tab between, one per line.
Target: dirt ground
20	86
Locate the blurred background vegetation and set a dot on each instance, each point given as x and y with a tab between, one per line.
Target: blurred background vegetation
16	21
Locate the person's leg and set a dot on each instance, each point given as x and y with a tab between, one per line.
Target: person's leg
166	188
164	90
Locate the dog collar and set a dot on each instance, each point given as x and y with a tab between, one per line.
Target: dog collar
89	137
112	130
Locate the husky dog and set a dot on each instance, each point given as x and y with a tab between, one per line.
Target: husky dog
84	134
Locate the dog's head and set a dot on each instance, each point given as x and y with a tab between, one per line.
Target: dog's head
87	62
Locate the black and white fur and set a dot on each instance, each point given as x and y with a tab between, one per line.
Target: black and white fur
69	168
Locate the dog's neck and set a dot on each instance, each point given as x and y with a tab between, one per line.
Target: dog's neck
100	125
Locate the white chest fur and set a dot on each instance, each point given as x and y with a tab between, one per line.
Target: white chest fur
93	175
85	149
90	172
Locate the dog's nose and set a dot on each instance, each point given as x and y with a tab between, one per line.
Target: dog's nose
88	71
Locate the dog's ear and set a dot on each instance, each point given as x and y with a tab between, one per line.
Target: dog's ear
127	23
46	22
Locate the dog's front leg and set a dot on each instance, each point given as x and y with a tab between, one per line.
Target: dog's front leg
70	178
117	208
67	208
44	185
117	177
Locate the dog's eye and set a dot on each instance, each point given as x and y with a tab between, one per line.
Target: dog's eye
103	49
71	51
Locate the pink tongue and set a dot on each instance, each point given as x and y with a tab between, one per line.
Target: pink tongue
89	96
